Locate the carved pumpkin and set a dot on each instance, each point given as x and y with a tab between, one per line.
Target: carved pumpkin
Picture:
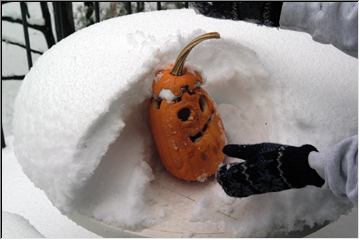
185	125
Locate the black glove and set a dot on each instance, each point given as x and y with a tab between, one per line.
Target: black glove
268	167
266	13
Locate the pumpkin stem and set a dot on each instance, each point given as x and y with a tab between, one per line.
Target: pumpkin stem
179	63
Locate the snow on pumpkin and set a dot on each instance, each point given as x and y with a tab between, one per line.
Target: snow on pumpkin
82	136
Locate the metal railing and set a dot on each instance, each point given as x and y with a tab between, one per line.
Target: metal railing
64	26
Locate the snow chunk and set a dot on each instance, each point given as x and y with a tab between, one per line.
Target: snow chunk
167	95
202	177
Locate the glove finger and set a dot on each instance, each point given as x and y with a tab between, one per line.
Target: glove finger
245	151
242	179
235	181
307	148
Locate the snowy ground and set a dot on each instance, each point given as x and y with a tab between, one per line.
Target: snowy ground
17	188
17	227
21	197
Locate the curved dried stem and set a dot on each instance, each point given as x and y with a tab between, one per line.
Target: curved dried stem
180	61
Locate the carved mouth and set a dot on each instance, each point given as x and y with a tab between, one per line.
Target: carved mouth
197	137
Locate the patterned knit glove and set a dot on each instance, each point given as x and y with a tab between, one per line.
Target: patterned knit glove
268	167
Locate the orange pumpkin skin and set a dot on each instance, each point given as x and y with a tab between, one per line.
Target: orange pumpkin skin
190	145
175	83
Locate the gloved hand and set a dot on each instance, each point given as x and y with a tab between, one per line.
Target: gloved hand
268	167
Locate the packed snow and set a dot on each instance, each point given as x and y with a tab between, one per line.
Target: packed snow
16	226
81	133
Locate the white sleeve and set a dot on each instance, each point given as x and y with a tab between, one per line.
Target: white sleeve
338	166
333	23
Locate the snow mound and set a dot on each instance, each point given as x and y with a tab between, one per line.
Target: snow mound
81	132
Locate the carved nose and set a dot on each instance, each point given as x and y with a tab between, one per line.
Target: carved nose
184	114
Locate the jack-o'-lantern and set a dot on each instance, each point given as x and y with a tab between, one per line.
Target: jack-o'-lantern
185	125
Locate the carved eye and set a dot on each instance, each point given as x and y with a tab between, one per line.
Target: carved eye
184	114
203	103
155	102
185	88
